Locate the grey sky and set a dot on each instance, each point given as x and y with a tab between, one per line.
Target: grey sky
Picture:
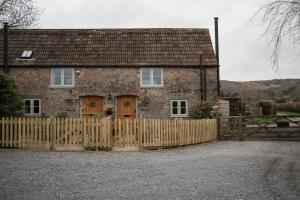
244	54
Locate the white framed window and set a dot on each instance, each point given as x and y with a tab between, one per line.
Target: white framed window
62	77
151	77
32	107
179	108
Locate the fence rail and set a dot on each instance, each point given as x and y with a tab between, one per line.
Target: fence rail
47	133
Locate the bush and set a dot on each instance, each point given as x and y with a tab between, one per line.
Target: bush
268	107
11	100
289	107
62	115
202	110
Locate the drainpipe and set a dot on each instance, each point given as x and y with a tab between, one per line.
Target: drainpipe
201	79
217	52
5	47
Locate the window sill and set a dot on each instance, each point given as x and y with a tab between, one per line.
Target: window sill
64	86
151	86
32	115
179	116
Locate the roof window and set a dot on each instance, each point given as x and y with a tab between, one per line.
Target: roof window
26	54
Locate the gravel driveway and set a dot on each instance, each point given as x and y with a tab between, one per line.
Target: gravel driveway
220	170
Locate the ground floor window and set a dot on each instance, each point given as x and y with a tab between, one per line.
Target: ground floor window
179	108
32	107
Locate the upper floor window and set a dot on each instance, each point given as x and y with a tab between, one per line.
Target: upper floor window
32	107
62	77
179	108
151	77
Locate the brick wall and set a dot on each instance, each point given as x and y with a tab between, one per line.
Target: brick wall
179	83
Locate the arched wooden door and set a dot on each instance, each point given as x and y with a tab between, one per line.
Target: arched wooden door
92	106
126	106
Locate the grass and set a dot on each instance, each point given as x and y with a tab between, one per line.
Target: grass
261	120
266	120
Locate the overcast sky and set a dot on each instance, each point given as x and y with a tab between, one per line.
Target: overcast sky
244	53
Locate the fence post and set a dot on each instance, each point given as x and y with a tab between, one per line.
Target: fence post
219	131
240	127
51	130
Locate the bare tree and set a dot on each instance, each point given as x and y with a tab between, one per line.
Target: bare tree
19	13
282	20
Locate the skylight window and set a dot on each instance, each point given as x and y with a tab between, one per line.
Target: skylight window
26	54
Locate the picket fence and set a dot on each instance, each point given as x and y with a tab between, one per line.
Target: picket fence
95	133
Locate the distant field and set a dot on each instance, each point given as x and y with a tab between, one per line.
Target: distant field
276	89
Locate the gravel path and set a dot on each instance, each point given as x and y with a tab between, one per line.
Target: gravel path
220	170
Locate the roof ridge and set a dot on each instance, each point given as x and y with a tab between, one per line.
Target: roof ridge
112	29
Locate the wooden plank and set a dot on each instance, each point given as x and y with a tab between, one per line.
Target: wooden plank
2	131
19	144
23	137
10	132
84	127
127	132
47	141
58	133
145	132
7	131
97	133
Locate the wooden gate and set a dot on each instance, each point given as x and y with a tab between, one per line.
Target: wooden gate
260	127
126	106
92	106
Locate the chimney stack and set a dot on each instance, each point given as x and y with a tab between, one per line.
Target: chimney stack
5	47
217	51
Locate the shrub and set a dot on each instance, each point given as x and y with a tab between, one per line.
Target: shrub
11	100
44	115
202	110
62	115
268	107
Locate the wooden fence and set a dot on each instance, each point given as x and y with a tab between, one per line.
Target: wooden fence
163	133
94	133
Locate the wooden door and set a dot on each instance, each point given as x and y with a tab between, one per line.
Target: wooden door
92	105
126	106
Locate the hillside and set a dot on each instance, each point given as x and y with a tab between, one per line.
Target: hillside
277	89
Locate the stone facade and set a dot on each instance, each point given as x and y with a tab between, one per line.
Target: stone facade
178	84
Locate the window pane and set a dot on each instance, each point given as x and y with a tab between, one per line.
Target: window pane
145	72
57	81
156	81
36	110
174	110
68	72
36	103
182	104
27	103
56	73
146	81
27	109
56	77
183	111
27	106
174	104
157	72
68	81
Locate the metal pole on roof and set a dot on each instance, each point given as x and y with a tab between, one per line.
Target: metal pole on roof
217	52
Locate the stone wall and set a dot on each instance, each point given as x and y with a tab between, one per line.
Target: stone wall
179	83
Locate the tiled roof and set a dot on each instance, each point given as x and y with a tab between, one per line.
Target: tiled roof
124	47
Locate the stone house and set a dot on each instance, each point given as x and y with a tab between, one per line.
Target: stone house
157	73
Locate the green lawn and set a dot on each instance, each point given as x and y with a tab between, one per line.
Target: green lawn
261	120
